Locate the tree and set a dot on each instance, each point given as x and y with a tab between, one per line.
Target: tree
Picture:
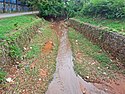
57	8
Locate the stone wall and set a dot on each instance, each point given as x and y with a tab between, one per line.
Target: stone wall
112	42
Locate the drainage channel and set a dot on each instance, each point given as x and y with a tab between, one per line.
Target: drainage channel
65	80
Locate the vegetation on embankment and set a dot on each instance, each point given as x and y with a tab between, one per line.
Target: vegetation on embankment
115	25
11	47
13	42
2	75
104	13
111	9
90	61
59	8
111	42
13	24
33	74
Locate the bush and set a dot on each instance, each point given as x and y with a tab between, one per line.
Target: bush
52	8
73	8
57	8
105	8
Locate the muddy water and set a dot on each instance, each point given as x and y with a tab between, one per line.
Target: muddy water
65	80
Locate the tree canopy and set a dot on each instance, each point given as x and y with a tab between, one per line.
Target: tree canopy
56	7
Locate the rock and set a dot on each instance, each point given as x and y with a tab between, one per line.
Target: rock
30	47
99	68
40	79
24	48
76	40
9	80
104	73
87	77
17	62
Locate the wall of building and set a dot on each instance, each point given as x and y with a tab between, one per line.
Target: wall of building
12	6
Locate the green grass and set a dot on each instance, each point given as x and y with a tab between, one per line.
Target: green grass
34	56
2	75
88	48
114	25
34	52
12	24
90	60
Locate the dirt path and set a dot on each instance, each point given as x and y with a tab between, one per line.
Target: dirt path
65	80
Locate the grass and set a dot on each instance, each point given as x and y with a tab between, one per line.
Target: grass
88	48
114	25
12	24
2	75
37	68
34	52
90	61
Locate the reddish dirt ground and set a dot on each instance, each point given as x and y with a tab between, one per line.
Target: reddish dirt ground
111	85
114	86
48	47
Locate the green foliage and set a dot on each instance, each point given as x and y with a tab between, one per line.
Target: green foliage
73	7
12	44
15	51
2	75
105	8
89	49
34	51
9	25
56	8
51	8
89	58
113	25
27	69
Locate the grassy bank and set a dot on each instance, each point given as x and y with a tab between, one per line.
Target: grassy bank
11	49
113	25
36	70
12	43
91	62
13	24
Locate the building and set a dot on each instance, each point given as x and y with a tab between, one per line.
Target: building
13	6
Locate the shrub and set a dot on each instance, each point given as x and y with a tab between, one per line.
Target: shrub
51	8
105	8
56	8
73	7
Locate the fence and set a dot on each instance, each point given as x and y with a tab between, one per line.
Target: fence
13	6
